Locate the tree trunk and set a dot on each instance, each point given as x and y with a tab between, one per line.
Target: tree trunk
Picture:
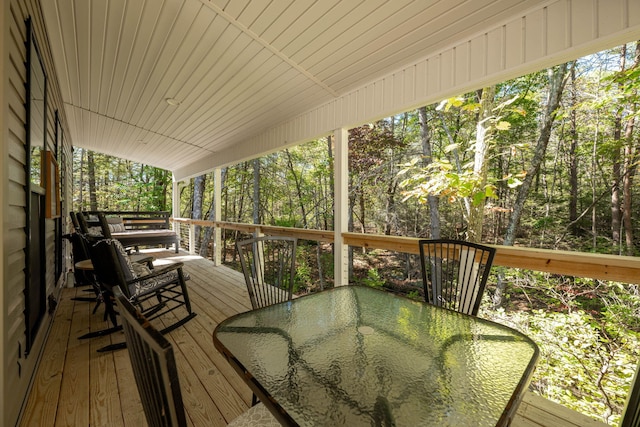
256	191
81	186
427	159
196	211
630	156
573	158
296	180
630	160
331	180
91	171
556	86
390	207
480	166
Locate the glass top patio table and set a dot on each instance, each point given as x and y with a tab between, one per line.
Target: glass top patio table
359	356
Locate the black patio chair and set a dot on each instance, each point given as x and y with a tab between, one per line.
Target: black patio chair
155	292
81	242
79	250
268	264
631	414
454	273
154	368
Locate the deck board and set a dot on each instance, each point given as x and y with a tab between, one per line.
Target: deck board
75	385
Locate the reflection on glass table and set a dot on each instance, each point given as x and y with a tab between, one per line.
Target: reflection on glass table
359	356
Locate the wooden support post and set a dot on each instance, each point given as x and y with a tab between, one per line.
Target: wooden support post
341	206
175	207
217	203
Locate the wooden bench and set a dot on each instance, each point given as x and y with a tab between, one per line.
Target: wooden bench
138	228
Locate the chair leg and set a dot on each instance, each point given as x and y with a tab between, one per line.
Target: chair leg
121	345
110	312
185	293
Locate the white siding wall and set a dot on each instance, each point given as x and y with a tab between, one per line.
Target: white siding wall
559	31
18	368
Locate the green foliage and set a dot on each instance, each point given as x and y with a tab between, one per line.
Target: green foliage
373	279
579	366
623	308
587	329
119	184
302	278
280	222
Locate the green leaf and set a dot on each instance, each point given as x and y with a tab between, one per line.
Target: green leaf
503	125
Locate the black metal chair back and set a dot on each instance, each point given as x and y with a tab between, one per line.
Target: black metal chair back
268	264
79	245
156	375
631	414
455	273
104	225
74	221
154	367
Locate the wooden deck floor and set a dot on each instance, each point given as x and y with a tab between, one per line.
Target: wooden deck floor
77	386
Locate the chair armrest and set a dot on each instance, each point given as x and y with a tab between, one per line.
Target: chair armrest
140	259
159	271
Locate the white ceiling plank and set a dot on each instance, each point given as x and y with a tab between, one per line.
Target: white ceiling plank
66	15
195	91
235	7
252	11
266	18
142	46
151	56
283	21
409	46
163	71
131	16
380	44
321	22
230	91
188	63
97	31
58	50
242	68
345	25
82	19
181	54
104	71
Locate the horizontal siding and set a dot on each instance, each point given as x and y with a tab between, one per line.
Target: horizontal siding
14	383
560	31
18	368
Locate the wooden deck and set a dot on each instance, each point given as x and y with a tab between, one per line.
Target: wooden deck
77	386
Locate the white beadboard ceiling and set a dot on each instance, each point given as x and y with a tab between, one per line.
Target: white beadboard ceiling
237	67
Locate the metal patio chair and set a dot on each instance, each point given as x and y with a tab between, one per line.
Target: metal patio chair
454	273
268	264
631	413
154	368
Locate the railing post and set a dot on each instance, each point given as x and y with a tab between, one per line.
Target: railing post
192	238
341	206
217	202
175	205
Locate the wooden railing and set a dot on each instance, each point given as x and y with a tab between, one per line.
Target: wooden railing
624	269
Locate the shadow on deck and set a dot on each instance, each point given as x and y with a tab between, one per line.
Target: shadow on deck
77	386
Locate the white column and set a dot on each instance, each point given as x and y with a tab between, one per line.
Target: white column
217	206
175	204
192	239
341	206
